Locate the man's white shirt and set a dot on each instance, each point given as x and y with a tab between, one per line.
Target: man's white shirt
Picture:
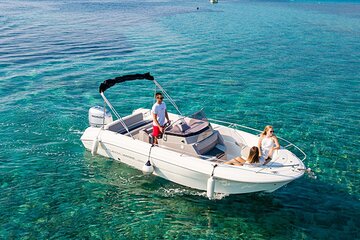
159	110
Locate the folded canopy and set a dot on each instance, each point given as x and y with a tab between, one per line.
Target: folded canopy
111	82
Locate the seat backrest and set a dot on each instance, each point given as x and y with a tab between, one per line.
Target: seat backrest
245	151
116	125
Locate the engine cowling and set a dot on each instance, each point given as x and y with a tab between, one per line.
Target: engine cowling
99	118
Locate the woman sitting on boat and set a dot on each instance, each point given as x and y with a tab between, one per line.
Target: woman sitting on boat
253	159
268	143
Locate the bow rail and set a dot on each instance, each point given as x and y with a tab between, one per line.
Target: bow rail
287	144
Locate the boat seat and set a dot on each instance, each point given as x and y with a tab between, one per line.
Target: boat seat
215	153
145	134
132	122
134	129
149	129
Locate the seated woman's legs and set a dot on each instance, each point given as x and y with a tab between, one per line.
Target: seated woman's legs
238	161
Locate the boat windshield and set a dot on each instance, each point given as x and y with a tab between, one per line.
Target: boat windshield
199	115
189	126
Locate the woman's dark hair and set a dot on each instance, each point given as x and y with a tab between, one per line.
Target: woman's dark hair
254	155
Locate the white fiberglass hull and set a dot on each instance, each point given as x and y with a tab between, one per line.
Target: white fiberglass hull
194	172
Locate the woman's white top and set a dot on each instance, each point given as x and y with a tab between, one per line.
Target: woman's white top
267	144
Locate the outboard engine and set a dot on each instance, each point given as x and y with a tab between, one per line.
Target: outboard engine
98	118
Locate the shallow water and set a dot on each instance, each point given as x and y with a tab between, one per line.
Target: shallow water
294	65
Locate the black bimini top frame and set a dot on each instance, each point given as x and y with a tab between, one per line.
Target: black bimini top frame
111	82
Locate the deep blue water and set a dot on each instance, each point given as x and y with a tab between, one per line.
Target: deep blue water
294	65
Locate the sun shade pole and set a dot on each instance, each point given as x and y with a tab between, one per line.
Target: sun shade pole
116	113
168	96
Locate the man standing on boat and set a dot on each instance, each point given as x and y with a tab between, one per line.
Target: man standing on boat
159	113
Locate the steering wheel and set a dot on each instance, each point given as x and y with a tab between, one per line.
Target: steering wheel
168	125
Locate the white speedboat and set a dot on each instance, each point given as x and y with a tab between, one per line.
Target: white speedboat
192	149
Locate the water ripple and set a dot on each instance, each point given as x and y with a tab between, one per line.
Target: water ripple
293	65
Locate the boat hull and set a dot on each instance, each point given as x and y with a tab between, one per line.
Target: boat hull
185	170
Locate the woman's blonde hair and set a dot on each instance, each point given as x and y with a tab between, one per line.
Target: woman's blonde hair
266	129
254	155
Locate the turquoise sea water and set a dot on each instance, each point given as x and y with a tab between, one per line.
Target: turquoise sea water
295	65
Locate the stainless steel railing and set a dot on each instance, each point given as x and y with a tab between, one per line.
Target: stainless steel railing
287	144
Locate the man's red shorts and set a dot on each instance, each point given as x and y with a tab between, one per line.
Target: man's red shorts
156	131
